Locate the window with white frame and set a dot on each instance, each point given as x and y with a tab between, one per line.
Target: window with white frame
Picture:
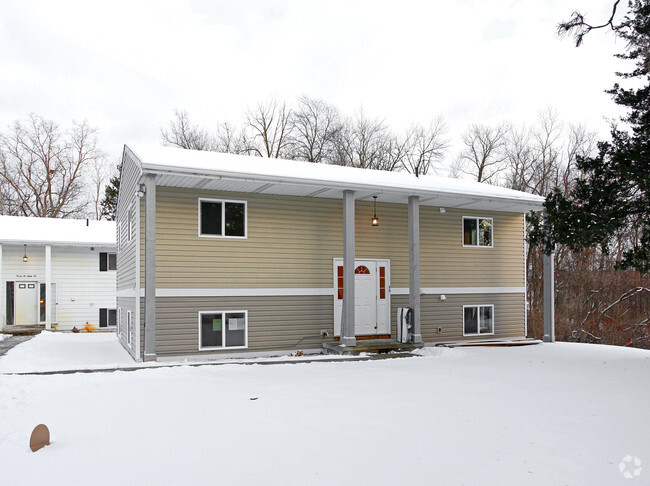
107	261
222	218
478	319
223	329
477	231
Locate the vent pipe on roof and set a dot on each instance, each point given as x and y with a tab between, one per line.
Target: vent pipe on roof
87	222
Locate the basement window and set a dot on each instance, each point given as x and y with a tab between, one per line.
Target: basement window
222	219
223	329
478	320
477	231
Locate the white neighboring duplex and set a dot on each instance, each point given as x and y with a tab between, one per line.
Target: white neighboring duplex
57	272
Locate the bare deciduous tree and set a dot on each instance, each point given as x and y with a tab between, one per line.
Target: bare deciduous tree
483	156
316	127
43	168
271	124
98	174
182	133
426	147
364	142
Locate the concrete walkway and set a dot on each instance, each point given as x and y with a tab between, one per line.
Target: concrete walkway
371	357
8	343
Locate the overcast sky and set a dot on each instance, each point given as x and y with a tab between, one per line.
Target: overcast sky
125	65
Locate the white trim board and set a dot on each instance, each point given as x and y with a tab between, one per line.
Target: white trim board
261	292
284	292
460	290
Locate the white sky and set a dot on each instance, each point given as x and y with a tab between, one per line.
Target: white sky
125	65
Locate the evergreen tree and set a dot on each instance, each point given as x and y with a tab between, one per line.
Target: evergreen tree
613	194
109	203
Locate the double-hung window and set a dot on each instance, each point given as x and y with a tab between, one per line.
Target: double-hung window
223	329
219	218
477	231
478	319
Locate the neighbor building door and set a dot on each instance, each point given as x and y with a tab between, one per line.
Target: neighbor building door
26	303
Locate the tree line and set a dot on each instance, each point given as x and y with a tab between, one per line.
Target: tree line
313	130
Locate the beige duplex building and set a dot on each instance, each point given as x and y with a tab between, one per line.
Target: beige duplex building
221	254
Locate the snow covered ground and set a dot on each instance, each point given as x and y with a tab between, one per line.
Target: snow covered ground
552	414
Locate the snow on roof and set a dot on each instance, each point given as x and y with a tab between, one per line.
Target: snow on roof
57	232
175	160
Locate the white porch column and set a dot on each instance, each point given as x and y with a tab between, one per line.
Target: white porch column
414	266
48	285
549	298
149	268
347	320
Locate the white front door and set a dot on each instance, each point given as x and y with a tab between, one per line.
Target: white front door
26	303
371	297
365	299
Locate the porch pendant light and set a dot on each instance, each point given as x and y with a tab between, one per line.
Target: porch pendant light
25	259
375	219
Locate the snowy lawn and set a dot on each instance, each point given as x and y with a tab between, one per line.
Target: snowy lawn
552	414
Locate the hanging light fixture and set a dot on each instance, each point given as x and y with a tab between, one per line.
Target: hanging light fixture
375	219
25	259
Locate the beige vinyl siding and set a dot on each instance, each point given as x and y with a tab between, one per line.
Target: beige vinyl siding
448	314
274	323
292	240
446	263
126	256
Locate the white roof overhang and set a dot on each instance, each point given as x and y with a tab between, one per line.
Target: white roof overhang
235	173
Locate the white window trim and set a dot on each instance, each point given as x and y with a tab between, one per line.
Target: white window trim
462	232
129	327
108	320
108	259
478	322
223	218
223	330
129	217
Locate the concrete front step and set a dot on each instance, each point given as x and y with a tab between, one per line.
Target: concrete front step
23	330
370	346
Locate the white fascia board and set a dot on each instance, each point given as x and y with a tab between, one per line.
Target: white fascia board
459	290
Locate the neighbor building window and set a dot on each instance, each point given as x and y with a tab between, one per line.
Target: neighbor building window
220	218
107	317
107	261
478	319
477	231
223	329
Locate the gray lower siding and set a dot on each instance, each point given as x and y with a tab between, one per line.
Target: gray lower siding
274	323
127	304
295	322
509	315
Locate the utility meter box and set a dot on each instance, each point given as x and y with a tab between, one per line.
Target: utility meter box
404	324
